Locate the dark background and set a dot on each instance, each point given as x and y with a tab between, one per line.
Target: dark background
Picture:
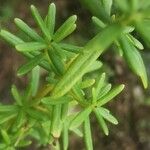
131	107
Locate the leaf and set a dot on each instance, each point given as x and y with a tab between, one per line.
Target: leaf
56	123
5	136
51	18
30	46
90	53
123	5
27	30
105	114
98	22
78	93
56	101
70	47
107	4
77	132
20	119
8	108
16	95
143	28
30	65
87	83
136	42
100	84
36	114
104	90
101	122
64	111
110	95
134	59
35	80
94	66
80	117
40	22
87	134
67	28
10	38
128	29
65	138
57	61
6	117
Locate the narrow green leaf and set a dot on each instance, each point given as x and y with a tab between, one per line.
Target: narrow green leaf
36	114
67	28
20	119
30	65
51	18
16	95
7	116
5	136
94	66
78	92
35	80
71	48
98	22
110	95
57	61
40	22
105	114
80	117
136	64
59	50
64	111
65	137
87	134
27	30
91	52
100	84
56	121
104	90
107	4
144	30
30	46
8	108
10	38
87	83
101	122
77	132
123	5
55	101
136	42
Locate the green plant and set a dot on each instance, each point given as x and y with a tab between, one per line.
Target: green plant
46	114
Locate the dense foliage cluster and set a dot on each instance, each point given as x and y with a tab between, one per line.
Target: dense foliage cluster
70	93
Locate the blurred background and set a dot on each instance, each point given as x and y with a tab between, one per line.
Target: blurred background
131	107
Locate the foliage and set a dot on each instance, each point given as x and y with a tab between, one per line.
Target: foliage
70	95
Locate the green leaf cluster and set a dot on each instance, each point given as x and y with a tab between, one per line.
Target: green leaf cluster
69	95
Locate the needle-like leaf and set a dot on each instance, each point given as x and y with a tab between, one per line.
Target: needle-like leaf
105	114
51	18
87	134
30	46
16	95
26	29
110	95
67	28
101	122
80	117
30	65
40	22
10	38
